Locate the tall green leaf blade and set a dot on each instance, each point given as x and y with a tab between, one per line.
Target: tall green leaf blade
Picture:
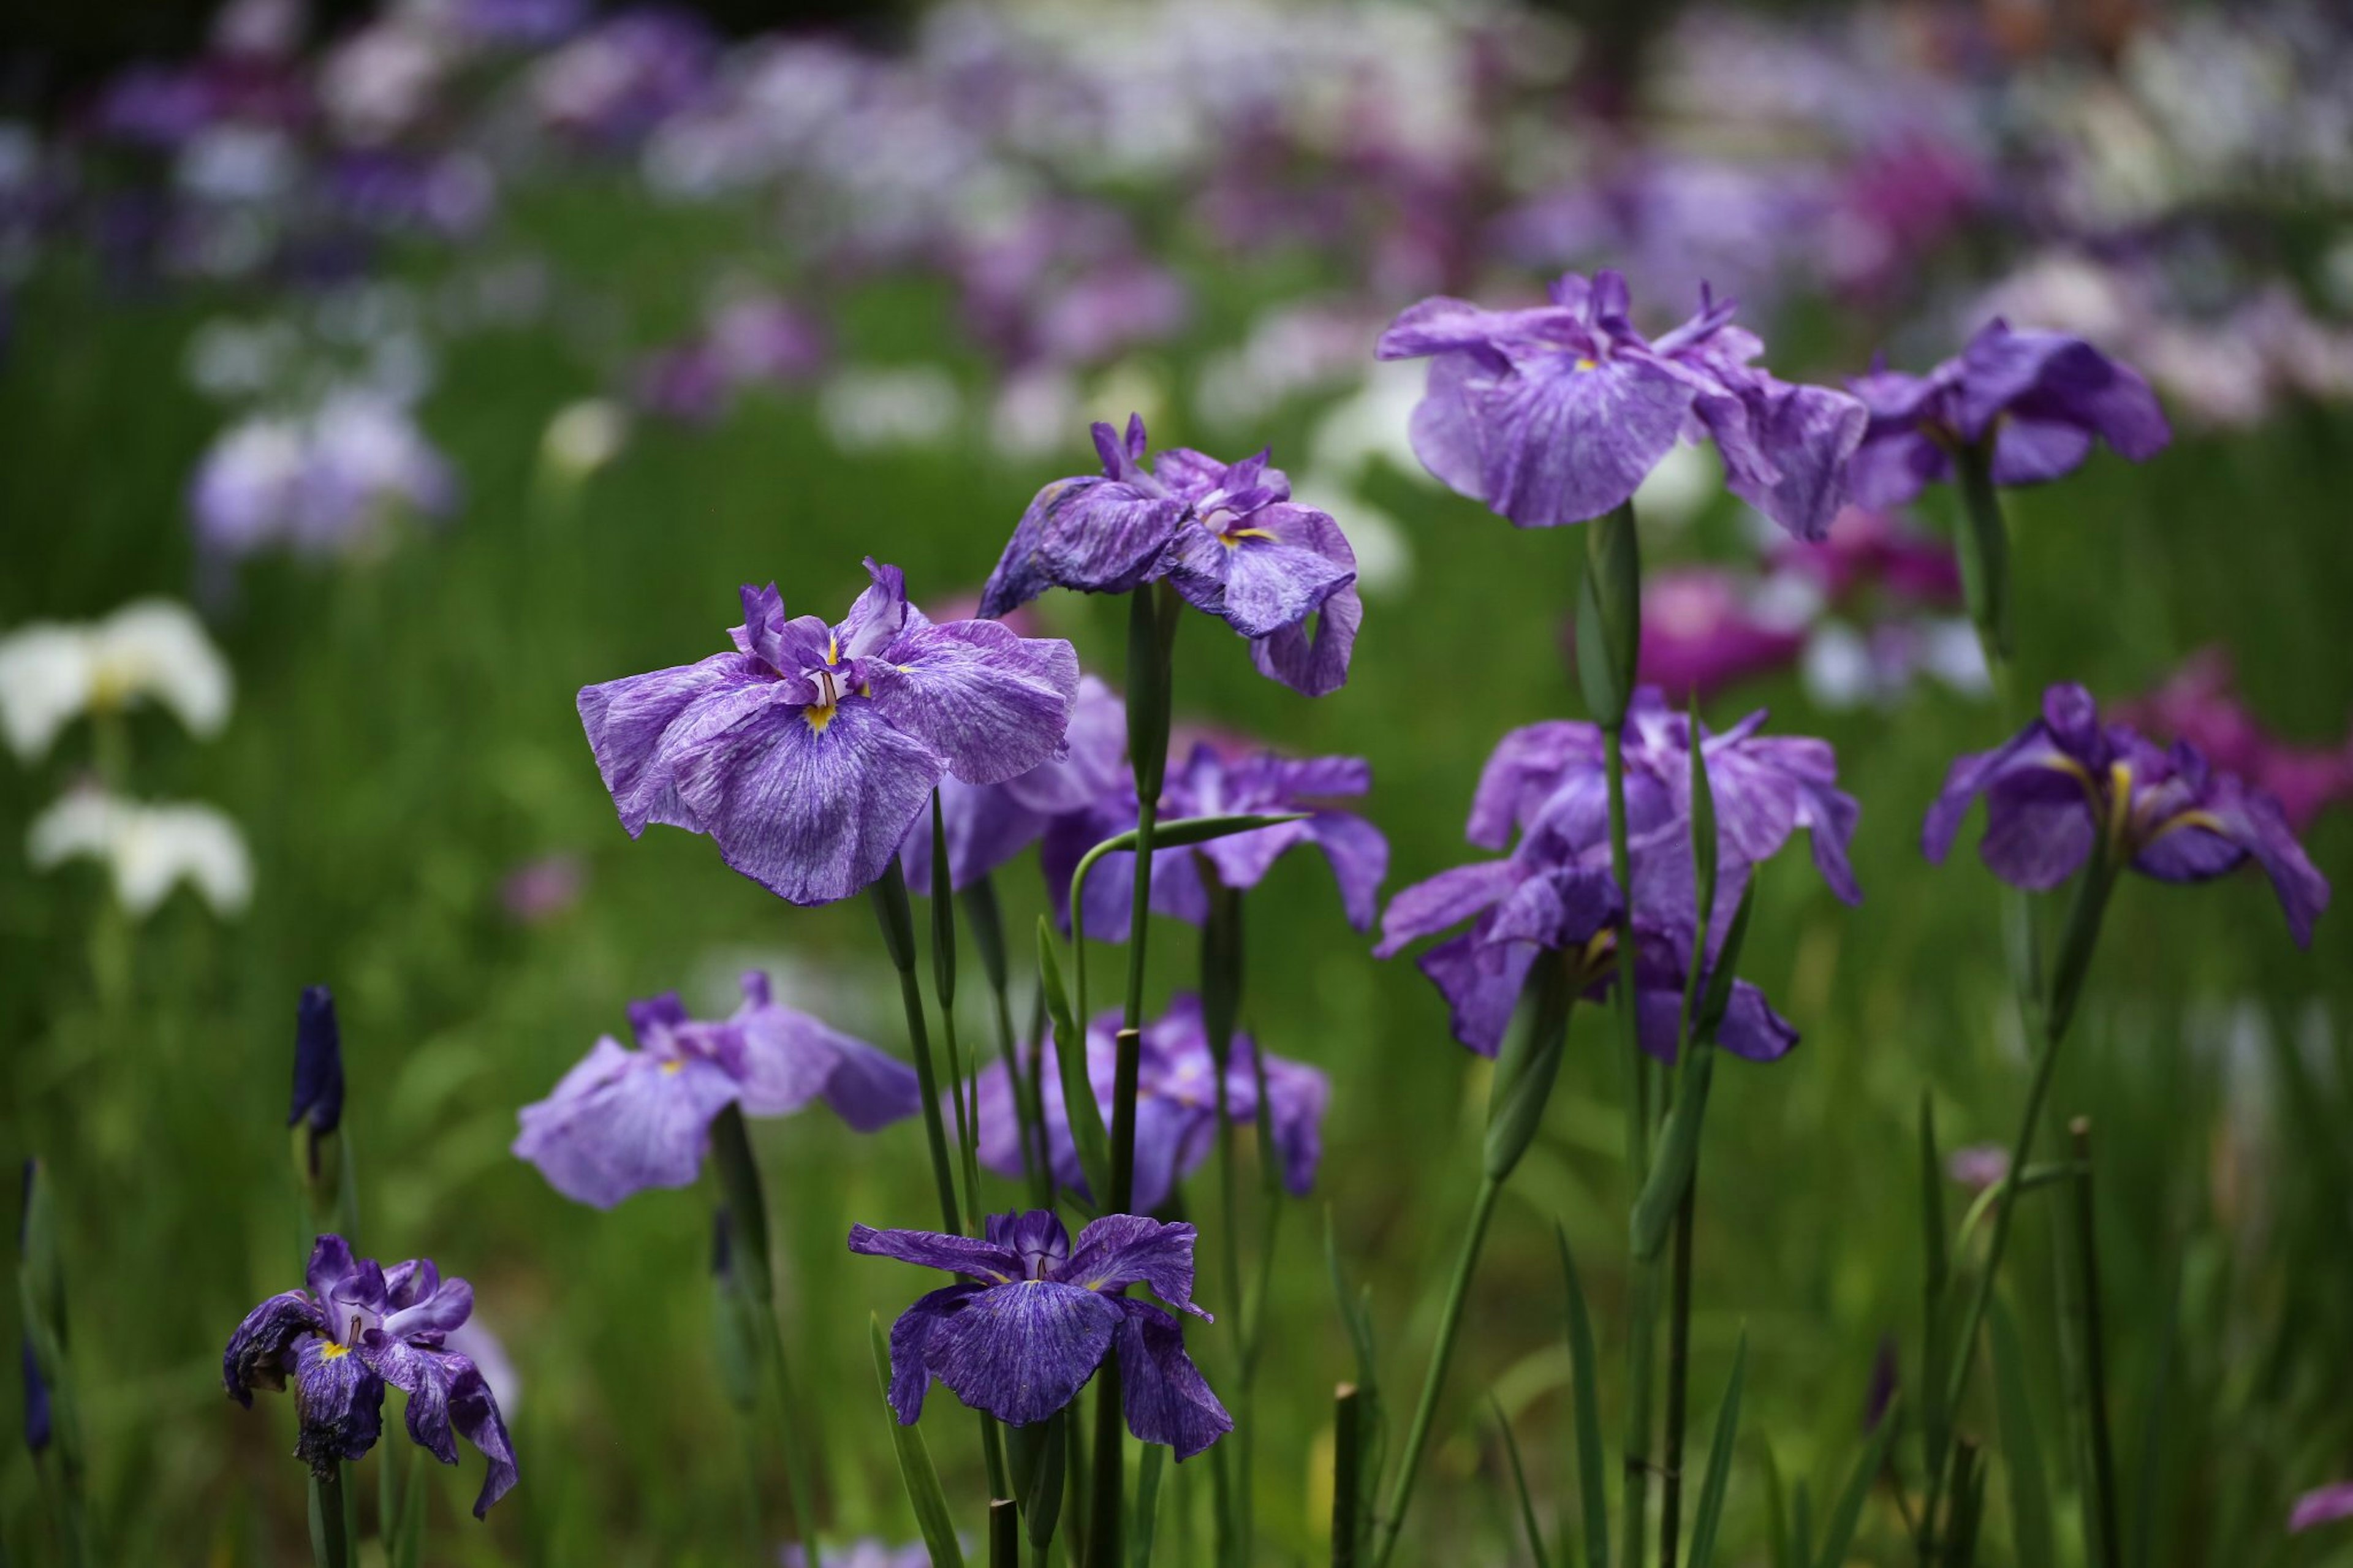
1670	1173
1147	1505
1838	1530
1520	1483
1592	1497
1710	1512
1933	1278
1071	1061
1777	1515
933	1520
2022	1447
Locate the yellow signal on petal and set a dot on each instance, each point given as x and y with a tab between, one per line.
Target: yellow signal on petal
818	717
335	1351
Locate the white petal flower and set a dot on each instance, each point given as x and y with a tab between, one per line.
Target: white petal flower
150	849
151	649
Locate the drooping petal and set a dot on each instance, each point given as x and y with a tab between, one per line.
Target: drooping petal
1445	436
2039	827
986	827
1526	766
2036	452
1804	437
1022	1352
911	1373
1177	888
1449	898
1102	536
1123	1249
994	704
1097	759
474	1411
338	1402
1482	985
1312	660
640	725
2255	821
1282	566
648	1126
1292	1115
1567	440
1971	776
422	1374
1163	1394
811	802
256	1355
1891	469
955	1254
1359	855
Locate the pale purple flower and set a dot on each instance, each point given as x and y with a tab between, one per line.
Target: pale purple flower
623	1120
809	752
357	1328
1557	414
1227	536
2041	397
988	825
2066	780
1032	1316
1176	1107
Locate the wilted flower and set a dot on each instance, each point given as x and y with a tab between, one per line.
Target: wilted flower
1227	536
150	650
1032	1317
988	825
623	1120
1213	783
2324	1505
357	1328
809	752
149	849
1555	415
2041	397
2067	781
1175	1105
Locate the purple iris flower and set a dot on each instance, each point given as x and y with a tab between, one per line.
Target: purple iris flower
1175	1105
1227	536
1555	891
988	825
1032	1317
809	752
624	1121
867	1553
2323	1505
2041	396
1555	415
1213	783
2067	779
357	1328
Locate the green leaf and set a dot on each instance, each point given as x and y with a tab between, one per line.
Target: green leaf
1934	1271
1148	1471
933	1520
1727	968
1609	615
1527	1064
1703	822
1593	1502
1776	1514
1678	1155
943	953
1710	1512
2139	1549
1087	1132
2021	1449
1968	1507
1837	1531
1519	1483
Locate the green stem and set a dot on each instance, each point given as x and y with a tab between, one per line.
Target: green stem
330	1540
986	920
747	1210
1425	1410
2094	1342
1222	982
1985	559
1347	1472
1642	1329
898	924
1671	1499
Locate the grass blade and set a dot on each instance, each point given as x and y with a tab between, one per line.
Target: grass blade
1935	1276
1147	1505
1592	1498
1777	1515
2021	1449
1838	1530
1520	1481
933	1520
1709	1511
1087	1132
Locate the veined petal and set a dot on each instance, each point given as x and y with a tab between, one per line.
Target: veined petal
983	1261
1123	1249
1102	536
338	1403
911	1373
640	725
1449	898
1564	444
474	1411
1313	662
646	1127
1022	1352
995	705
1279	579
1162	1393
1444	434
812	808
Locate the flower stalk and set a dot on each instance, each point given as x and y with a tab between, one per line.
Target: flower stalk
898	922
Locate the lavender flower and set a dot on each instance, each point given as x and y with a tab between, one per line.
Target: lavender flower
1175	1105
1227	536
1979	1166
624	1121
1555	415
809	752
357	1328
1214	783
867	1553
2066	781
988	825
2041	397
1031	1316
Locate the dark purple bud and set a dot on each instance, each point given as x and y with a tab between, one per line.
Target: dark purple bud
37	1403
318	1063
1885	1379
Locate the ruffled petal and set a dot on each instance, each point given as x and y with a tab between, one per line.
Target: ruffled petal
640	725
1449	898
1164	1395
1123	1249
911	1373
1312	657
258	1355
955	1254
648	1126
1564	444
1102	536
995	705
1281	567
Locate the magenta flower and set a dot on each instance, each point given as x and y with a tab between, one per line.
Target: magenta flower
809	752
623	1120
2066	780
2042	397
1031	1316
1555	415
357	1328
2324	1505
1704	629
2200	703
1227	536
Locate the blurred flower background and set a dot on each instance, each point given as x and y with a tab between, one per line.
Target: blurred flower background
374	379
